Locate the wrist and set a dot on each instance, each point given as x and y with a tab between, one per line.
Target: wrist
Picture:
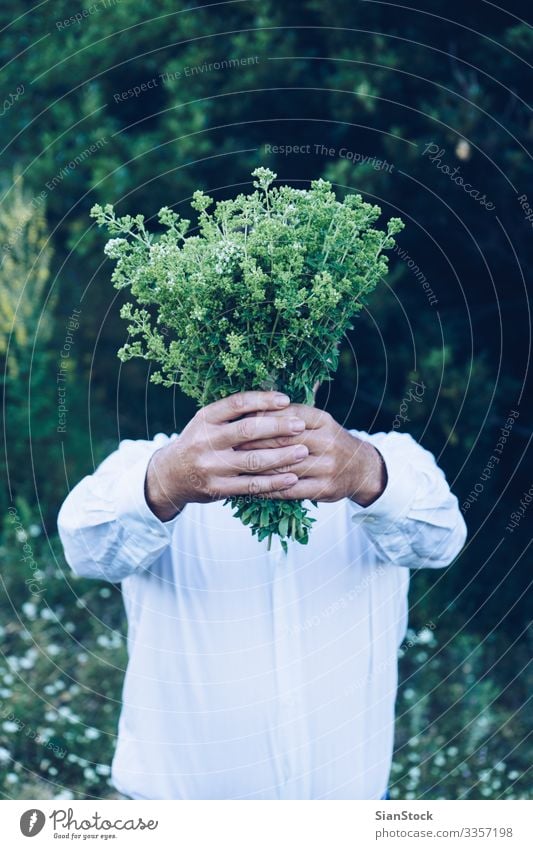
160	490
370	478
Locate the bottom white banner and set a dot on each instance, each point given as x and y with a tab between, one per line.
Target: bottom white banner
267	825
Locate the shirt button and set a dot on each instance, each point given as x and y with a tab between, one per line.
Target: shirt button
370	518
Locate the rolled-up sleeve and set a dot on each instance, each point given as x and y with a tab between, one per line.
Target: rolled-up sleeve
416	521
106	527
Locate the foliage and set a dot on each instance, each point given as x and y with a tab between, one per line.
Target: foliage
64	655
460	713
263	295
260	298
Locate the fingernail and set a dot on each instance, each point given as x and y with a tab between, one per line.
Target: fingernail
282	400
290	480
300	452
297	424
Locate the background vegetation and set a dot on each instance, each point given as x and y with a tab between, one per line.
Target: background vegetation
381	81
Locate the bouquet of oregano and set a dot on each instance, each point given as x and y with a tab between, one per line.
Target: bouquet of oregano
258	297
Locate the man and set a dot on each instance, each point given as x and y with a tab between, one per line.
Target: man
256	674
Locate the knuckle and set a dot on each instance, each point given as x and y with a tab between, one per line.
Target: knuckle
283	441
282	426
253	461
201	466
201	416
213	491
201	433
245	428
329	465
253	487
236	401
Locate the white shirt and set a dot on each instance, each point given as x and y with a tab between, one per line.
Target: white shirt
255	674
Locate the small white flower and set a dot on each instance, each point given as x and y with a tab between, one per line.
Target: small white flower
425	636
92	733
112	249
103	769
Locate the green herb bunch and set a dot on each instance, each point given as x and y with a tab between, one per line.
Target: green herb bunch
257	298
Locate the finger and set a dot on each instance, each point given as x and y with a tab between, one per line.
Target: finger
240	403
313	417
247	485
260	427
308	437
309	467
268	459
311	488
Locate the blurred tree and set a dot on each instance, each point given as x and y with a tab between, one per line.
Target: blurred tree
24	275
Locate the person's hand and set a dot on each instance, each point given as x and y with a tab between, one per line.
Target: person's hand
338	466
202	465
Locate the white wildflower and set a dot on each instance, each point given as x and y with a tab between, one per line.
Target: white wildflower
113	248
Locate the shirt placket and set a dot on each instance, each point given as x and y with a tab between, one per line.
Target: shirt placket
286	645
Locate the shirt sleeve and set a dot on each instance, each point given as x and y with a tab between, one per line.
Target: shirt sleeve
416	521
105	525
